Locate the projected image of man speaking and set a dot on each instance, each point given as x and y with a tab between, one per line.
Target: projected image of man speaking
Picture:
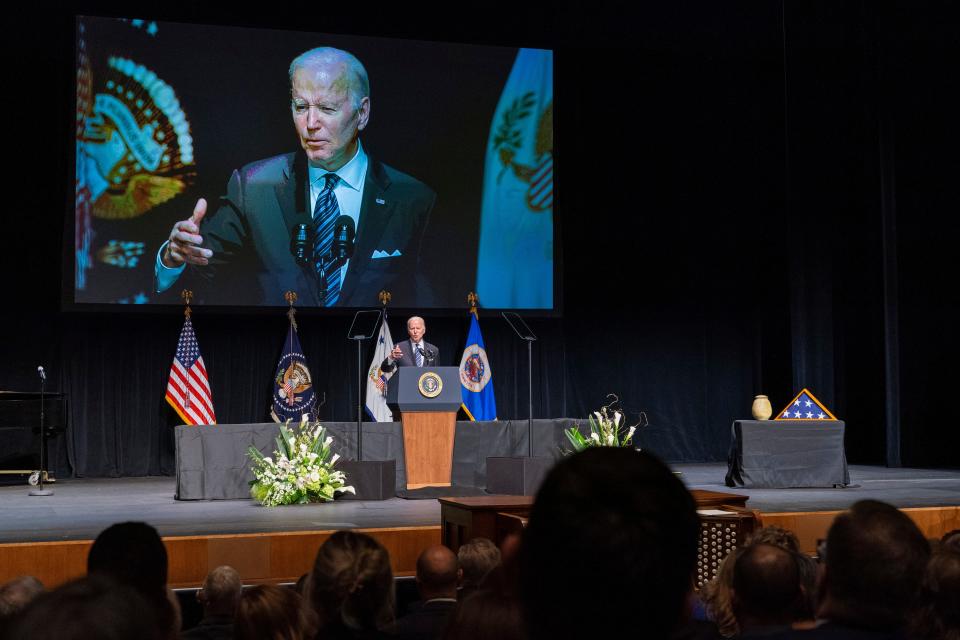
329	221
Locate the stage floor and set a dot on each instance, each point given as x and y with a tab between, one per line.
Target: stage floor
81	508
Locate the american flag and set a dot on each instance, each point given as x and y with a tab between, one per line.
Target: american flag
805	407
188	390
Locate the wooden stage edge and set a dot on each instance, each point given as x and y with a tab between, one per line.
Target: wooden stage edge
811	526
258	557
285	556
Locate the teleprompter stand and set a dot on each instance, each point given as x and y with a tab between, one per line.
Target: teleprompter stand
519	475
372	479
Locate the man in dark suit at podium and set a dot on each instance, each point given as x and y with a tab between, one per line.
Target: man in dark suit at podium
415	352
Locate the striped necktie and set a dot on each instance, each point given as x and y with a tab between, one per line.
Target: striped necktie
325	213
418	352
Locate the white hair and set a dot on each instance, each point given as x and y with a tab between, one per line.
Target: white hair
354	71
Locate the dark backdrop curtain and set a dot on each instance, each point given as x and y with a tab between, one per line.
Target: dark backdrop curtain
725	179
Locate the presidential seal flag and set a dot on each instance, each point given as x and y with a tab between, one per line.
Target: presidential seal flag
515	253
188	389
376	405
293	394
476	386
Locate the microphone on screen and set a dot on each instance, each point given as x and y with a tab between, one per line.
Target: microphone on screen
344	234
301	244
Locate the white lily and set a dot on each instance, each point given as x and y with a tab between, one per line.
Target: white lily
630	433
610	440
595	437
327	442
335	457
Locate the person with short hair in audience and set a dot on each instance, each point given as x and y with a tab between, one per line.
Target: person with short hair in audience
16	594
717	594
96	606
938	613
219	595
437	577
766	590
351	587
133	554
872	572
477	557
610	548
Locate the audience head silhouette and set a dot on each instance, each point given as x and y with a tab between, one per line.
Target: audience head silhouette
766	587
352	583
875	560
612	518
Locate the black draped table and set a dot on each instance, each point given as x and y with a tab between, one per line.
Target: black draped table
787	453
212	462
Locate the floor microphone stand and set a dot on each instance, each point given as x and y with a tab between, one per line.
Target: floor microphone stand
40	490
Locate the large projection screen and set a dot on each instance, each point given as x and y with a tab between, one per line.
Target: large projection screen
451	192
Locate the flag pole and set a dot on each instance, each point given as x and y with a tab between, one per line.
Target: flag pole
186	295
291	297
472	300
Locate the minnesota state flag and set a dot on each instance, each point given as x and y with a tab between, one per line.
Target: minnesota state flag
515	252
476	386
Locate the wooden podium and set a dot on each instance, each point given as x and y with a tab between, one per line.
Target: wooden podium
427	399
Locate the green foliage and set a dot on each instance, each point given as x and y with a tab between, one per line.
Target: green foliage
606	429
303	471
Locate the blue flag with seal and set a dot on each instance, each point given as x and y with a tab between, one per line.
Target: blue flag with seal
515	251
293	394
476	386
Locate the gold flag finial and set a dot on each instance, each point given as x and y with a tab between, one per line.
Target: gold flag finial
384	297
291	297
472	300
187	296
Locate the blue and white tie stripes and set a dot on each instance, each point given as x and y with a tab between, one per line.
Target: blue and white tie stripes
325	214
418	354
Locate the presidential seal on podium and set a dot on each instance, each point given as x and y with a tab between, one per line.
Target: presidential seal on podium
430	385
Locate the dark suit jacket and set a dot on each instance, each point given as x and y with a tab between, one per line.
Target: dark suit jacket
211	628
250	234
408	359
426	622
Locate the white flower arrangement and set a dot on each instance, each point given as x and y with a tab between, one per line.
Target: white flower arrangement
303	471
606	429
